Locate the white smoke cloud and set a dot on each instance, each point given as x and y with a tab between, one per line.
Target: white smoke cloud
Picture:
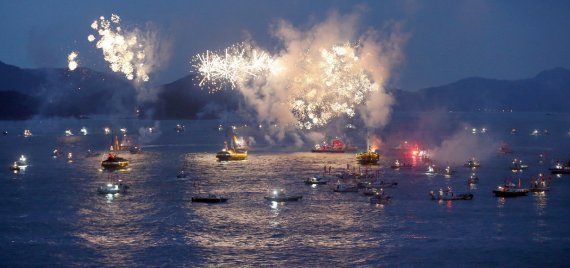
463	145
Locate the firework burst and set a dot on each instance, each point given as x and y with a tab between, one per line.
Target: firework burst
124	51
232	67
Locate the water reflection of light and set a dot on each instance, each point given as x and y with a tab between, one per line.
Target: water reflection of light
541	202
501	202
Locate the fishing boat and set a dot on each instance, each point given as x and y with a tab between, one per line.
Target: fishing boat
558	168
113	161
209	198
448	195
472	163
316	180
233	152
510	190
448	171
113	186
430	170
281	196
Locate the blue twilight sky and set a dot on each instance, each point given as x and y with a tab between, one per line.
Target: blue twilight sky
449	40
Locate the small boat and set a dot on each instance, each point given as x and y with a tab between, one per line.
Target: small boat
397	165
179	128
344	188
22	161
135	150
505	149
15	167
448	194
83	131
113	161
181	174
209	198
448	171
232	153
368	158
473	179
510	190
56	153
517	165
514	131
558	168
535	133
27	133
370	191
68	133
380	198
92	154
430	170
113	186
281	196
316	180
472	163
539	185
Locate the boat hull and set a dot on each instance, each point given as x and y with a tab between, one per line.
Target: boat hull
499	193
231	156
209	199
283	198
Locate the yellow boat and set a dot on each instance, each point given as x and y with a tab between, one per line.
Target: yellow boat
368	157
231	153
113	161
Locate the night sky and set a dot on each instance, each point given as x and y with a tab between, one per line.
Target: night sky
448	40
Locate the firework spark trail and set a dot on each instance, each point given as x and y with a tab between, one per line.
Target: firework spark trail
126	52
72	63
234	66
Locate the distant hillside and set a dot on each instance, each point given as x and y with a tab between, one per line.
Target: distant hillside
25	93
545	92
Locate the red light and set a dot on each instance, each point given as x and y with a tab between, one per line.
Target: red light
414	153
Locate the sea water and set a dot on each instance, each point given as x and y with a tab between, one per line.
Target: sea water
51	214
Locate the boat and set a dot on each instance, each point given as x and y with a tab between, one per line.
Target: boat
209	198
56	153
336	146
344	188
472	163
126	144
92	154
281	196
179	128
113	186
397	165
505	149
233	152
448	171
316	180
473	179
517	165
135	150
27	133
83	131
510	190
181	174
380	198
15	167
539	185
514	131
448	195
368	158
558	168
68	133
113	161
22	161
430	170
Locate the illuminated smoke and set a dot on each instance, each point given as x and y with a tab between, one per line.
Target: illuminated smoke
130	52
72	60
322	73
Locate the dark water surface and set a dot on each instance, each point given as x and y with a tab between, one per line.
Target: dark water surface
51	214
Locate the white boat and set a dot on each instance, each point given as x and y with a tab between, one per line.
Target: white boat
448	195
113	186
344	188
